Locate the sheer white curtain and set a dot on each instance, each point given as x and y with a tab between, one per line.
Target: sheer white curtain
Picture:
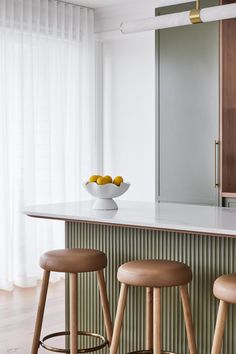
47	134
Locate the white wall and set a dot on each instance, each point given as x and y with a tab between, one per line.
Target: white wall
128	107
129	114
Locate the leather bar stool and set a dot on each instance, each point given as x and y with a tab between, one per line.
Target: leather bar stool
153	275
224	290
72	261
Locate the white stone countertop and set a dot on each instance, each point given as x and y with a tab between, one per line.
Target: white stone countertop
164	216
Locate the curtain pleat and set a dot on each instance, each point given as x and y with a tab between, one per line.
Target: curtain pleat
47	120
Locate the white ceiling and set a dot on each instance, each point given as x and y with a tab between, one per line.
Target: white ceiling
96	3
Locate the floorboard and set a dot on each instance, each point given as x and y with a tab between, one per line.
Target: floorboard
17	316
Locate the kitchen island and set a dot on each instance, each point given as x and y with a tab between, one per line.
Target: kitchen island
203	237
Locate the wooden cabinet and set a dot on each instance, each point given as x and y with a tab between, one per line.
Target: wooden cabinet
228	106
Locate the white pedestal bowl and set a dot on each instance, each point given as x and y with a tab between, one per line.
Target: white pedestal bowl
104	194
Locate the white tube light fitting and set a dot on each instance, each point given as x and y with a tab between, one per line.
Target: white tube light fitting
197	15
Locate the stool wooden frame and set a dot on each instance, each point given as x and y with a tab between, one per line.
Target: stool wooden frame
225	290
153	320
220	327
73	311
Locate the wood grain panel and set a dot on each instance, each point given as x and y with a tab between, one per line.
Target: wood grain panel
228	88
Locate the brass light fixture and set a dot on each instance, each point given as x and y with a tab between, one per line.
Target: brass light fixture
195	14
186	18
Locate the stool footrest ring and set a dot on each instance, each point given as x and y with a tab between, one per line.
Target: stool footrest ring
149	352
103	340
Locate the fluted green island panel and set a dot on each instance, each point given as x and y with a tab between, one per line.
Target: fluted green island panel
208	256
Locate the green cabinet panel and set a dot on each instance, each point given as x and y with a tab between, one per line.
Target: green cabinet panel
208	257
187	61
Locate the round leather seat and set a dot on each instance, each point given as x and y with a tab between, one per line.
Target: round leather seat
154	273
225	288
73	260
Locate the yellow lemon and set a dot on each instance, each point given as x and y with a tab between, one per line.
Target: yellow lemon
102	180
118	180
94	178
108	178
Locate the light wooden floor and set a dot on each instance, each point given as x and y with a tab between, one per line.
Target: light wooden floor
17	316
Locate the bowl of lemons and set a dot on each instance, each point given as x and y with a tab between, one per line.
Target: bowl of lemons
104	189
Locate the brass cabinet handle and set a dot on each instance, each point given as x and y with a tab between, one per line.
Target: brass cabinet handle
217	184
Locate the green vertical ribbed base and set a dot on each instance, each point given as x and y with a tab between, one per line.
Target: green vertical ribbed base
208	256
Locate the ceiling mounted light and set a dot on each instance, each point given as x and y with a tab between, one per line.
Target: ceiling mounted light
195	16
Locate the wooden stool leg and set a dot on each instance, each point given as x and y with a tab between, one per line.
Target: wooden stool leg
73	313
157	340
220	327
105	304
149	318
119	319
40	313
188	319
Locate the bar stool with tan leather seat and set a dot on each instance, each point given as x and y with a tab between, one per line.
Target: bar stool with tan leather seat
224	290
72	261
153	275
